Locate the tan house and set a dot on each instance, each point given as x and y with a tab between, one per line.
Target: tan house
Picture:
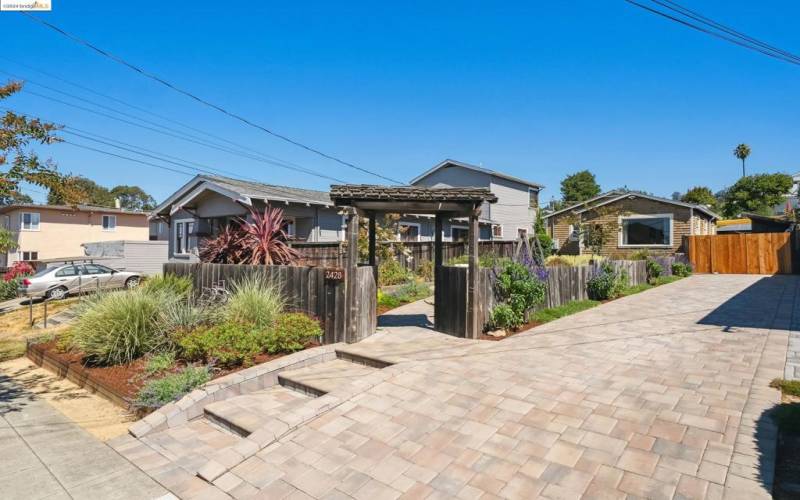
630	222
45	232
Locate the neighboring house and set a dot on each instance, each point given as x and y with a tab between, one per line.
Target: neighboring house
754	223
46	232
208	203
640	221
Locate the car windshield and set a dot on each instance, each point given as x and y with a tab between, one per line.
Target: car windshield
42	272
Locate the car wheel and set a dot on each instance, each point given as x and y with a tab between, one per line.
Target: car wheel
132	282
57	293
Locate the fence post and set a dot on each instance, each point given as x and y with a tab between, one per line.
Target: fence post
30	310
45	313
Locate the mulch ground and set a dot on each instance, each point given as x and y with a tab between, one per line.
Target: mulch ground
527	326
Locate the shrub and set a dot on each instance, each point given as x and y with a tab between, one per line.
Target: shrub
488	260
504	316
8	289
160	362
681	269
183	316
390	272
519	289
387	300
253	300
412	291
654	270
546	242
18	270
118	327
607	283
171	284
425	270
172	387
227	344
572	260
292	331
643	254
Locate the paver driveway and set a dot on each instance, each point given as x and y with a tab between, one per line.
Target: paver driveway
658	395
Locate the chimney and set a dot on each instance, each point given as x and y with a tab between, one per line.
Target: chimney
117	203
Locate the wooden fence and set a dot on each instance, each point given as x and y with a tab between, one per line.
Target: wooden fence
564	284
754	253
332	254
304	289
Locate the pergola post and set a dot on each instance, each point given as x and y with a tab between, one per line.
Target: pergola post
437	242
372	248
351	268
472	276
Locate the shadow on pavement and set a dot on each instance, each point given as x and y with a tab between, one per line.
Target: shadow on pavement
787	457
755	306
419	320
13	397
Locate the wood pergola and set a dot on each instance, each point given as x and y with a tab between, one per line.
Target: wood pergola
373	201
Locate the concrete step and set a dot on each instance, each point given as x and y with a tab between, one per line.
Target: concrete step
188	446
244	414
323	378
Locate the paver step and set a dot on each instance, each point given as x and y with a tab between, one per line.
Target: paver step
188	446
246	413
323	378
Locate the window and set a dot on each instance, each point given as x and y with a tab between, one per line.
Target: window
646	230
96	269
533	198
29	221
183	230
290	227
30	256
459	233
67	271
408	231
109	222
497	231
522	233
179	237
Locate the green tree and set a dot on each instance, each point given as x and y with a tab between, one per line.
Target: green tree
133	198
17	162
742	151
7	241
757	193
700	195
88	193
14	197
579	186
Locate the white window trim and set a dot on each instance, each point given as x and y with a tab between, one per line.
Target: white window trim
409	224
23	252
527	231
501	231
290	221
103	226
621	235
185	237
531	190
22	221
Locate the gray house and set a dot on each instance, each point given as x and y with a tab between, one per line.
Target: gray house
208	203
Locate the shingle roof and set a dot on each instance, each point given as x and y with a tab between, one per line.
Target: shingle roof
253	189
78	208
456	163
613	196
364	192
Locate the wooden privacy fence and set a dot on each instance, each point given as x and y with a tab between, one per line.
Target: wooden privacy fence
332	254
757	253
305	289
564	284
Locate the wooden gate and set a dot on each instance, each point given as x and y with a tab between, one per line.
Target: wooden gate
758	253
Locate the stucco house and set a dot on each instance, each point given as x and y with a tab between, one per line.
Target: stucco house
47	232
636	220
208	203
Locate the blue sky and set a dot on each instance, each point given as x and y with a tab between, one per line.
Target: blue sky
535	89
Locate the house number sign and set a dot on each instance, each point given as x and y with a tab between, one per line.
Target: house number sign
334	275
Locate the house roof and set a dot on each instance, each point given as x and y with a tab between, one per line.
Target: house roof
348	192
245	191
72	208
614	196
476	168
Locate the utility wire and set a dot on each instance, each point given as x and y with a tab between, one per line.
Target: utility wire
737	40
193	137
200	100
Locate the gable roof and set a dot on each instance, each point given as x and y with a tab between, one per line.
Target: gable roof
245	191
614	196
454	163
71	208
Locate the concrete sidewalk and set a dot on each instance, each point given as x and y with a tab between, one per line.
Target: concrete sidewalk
45	455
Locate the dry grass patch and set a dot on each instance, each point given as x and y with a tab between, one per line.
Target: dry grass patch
15	327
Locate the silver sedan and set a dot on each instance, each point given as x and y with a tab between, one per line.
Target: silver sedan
58	282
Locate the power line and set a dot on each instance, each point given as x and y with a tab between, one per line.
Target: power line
200	100
193	137
741	41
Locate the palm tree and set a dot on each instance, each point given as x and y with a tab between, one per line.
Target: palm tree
742	151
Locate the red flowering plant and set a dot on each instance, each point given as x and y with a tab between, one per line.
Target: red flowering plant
19	269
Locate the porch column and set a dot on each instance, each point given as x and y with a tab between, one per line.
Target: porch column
472	276
350	269
437	241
